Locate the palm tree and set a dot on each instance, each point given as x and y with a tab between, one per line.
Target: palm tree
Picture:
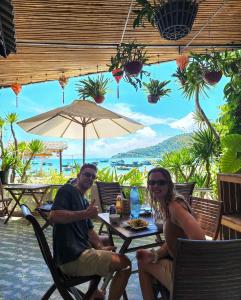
206	150
34	147
12	118
195	85
2	124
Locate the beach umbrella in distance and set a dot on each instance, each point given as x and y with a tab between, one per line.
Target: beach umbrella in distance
81	119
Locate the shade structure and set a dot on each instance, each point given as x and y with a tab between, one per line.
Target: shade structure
80	120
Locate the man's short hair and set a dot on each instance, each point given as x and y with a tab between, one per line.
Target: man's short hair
86	166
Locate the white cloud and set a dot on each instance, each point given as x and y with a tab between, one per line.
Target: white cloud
186	124
125	110
107	147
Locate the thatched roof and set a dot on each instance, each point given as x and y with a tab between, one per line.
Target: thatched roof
75	36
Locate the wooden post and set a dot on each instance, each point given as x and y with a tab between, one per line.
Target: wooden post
60	161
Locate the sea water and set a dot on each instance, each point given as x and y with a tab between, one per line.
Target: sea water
52	163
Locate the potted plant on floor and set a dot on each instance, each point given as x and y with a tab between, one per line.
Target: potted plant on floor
155	90
94	88
130	58
7	161
173	18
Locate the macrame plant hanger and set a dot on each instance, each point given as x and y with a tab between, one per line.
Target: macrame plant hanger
16	87
63	81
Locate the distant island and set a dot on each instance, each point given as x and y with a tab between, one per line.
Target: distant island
171	144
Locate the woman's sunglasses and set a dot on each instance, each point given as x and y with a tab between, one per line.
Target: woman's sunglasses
158	182
89	175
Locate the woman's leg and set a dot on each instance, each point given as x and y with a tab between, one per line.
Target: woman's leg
147	271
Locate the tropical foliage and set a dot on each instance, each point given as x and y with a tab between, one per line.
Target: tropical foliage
231	158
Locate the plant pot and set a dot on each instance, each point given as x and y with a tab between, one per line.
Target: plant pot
5	176
153	98
212	77
99	99
174	19
133	68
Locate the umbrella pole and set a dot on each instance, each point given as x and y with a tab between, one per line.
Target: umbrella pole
84	143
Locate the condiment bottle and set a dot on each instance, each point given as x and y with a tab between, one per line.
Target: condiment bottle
118	205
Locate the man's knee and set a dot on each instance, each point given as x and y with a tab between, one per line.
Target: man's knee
119	262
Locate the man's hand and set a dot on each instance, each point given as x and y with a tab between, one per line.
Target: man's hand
92	211
144	255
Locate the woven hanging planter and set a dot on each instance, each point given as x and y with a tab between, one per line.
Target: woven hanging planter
174	18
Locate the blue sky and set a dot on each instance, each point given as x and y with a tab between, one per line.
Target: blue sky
172	115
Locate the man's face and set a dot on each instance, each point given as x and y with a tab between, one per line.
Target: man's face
86	178
158	186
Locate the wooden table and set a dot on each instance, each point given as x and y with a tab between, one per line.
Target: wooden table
128	234
17	191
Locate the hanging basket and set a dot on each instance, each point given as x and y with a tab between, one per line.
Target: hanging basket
153	98
174	18
212	77
99	99
133	68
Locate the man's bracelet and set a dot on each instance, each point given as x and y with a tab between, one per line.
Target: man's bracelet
155	255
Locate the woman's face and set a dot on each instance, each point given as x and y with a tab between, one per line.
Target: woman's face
158	186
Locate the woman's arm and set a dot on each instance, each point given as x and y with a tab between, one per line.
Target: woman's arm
181	217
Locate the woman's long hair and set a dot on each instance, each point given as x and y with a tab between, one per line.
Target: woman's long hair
170	192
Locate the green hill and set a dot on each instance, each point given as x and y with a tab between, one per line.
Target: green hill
174	143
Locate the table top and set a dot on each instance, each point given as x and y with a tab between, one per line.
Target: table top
128	233
26	186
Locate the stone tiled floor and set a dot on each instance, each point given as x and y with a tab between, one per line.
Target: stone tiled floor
23	272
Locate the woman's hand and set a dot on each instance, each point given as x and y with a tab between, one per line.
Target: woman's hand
144	255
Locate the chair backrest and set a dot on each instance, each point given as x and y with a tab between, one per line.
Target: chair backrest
208	214
209	270
107	193
185	189
43	245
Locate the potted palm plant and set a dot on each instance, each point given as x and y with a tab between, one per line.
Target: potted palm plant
94	88
7	160
181	76
155	89
129	59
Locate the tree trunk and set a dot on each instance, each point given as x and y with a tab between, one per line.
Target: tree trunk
208	174
16	151
204	117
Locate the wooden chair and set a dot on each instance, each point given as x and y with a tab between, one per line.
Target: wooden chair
208	214
4	202
185	189
64	284
209	270
107	194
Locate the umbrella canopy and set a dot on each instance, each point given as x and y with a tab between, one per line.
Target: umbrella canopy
80	120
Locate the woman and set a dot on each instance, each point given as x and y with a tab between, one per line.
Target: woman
178	222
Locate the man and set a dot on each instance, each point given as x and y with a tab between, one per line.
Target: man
78	250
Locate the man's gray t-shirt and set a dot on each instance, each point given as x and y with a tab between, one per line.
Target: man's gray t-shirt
70	240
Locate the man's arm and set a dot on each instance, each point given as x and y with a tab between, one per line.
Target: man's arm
181	217
69	216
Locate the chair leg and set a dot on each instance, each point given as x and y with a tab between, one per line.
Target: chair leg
92	287
49	292
101	228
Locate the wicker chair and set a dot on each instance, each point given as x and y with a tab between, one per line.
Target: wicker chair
206	270
185	189
208	214
64	284
107	194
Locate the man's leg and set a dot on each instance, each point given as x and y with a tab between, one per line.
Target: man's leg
122	265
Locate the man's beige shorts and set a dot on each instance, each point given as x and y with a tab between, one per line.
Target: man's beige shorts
166	272
90	262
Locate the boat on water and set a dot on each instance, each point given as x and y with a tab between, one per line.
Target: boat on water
117	163
123	168
104	160
146	163
94	163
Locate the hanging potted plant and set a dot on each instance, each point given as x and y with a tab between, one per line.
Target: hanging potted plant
181	76
173	18
130	59
155	90
94	88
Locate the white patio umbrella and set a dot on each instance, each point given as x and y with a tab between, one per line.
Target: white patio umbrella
81	119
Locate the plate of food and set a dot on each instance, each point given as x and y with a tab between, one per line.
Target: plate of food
137	224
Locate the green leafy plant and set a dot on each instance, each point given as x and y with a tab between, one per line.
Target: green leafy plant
94	88
180	76
8	159
145	13
155	89
130	58
231	149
